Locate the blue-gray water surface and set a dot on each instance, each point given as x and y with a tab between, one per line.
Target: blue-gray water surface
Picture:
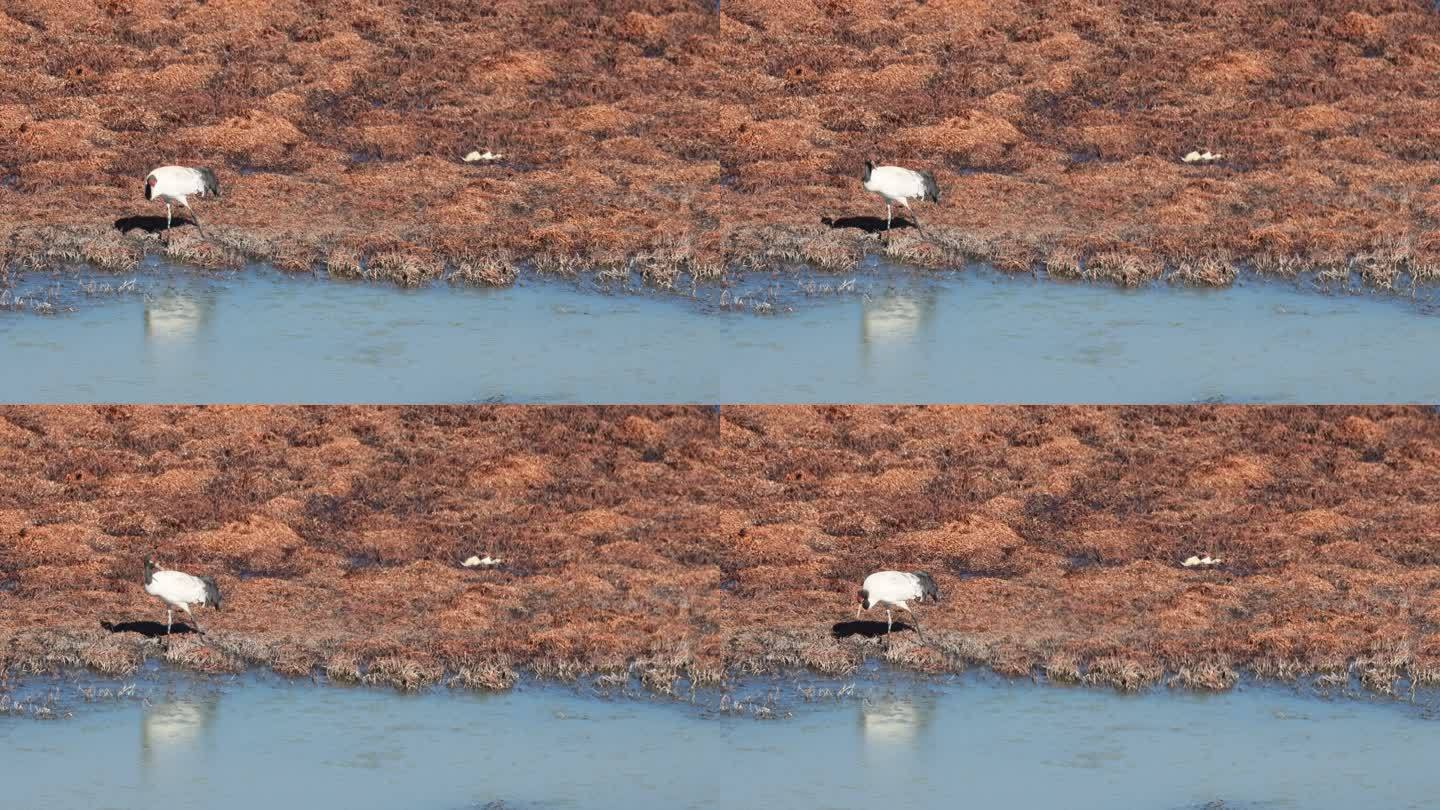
975	742
882	336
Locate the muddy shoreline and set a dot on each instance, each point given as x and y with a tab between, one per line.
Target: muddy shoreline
661	137
690	542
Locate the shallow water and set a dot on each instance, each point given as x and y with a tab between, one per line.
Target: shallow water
975	742
888	336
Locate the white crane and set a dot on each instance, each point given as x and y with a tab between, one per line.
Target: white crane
173	184
179	591
898	186
894	590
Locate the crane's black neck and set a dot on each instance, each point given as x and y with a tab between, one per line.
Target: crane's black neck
869	167
149	570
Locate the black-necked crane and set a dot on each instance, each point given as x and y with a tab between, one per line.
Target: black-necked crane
173	184
179	591
895	590
898	186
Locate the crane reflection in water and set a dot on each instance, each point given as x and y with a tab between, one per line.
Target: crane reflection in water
895	722
175	727
895	318
177	316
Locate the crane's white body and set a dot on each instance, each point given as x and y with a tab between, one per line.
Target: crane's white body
173	185
895	590
179	590
898	186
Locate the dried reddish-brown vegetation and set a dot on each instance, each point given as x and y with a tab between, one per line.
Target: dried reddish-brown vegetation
657	136
682	541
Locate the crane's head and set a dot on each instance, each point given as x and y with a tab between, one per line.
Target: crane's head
869	167
150	187
863	597
149	568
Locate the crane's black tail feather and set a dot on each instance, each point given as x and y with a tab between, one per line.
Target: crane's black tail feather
212	185
927	587
932	191
212	592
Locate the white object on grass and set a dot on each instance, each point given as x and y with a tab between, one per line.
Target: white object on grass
894	590
898	186
173	184
179	591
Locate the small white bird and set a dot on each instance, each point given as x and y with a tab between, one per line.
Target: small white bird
898	186
179	591
1207	560
487	562
173	184
1202	157
893	590
474	156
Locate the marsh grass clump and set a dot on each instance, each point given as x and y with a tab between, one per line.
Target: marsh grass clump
558	264
95	289
291	663
193	251
765	707
826	694
39	707
112	656
404	269
488	270
1281	265
1213	676
43	303
1204	271
1061	668
344	263
195	654
1063	262
1286	670
1125	269
405	674
92	694
111	253
1124	674
494	676
343	669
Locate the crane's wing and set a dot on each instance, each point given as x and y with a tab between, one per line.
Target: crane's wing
898	181
178	586
892	586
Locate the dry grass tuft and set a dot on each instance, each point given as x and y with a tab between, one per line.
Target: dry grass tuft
405	674
494	676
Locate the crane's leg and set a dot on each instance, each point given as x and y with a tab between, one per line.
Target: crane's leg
916	620
887	216
889	622
193	621
911	211
198	226
167	216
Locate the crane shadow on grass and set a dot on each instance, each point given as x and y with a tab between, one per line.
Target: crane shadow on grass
148	223
866	224
147	629
865	628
